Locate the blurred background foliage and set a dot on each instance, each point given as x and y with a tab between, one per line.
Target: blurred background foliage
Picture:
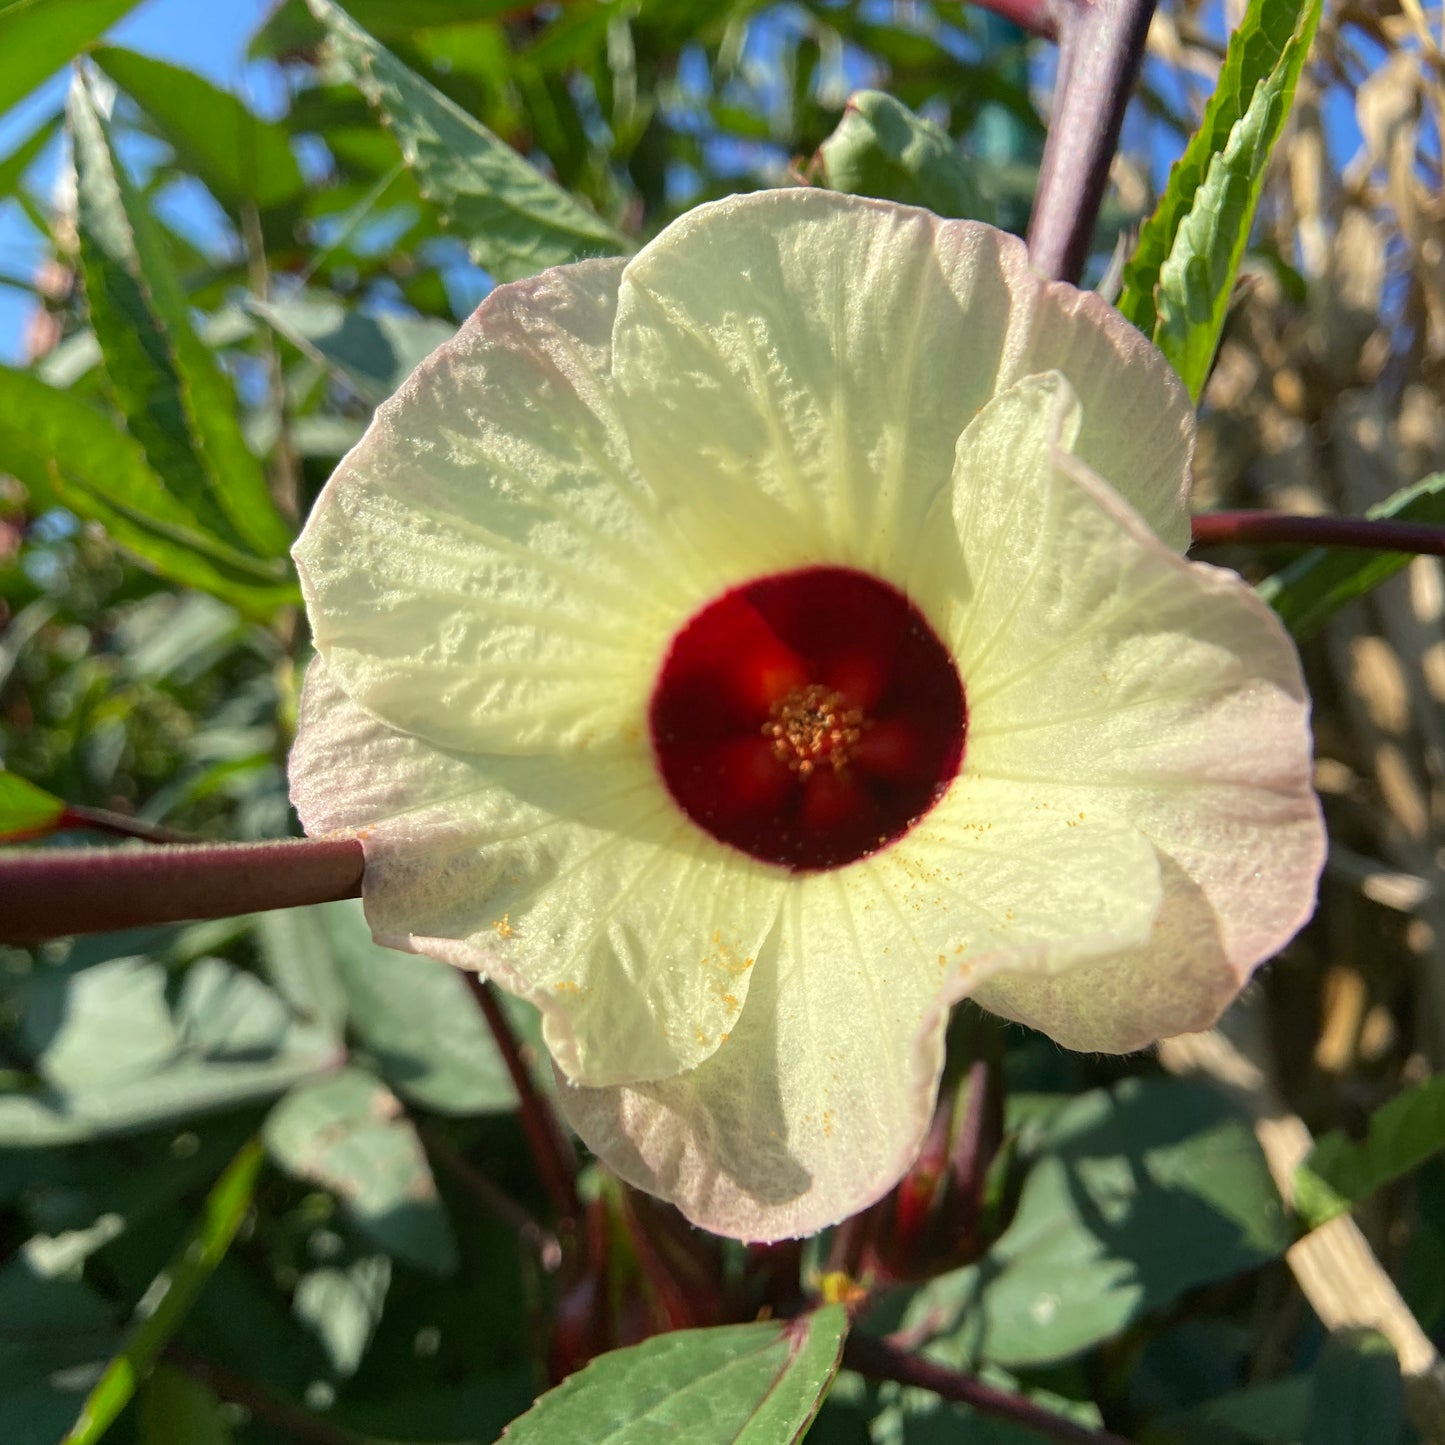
227	290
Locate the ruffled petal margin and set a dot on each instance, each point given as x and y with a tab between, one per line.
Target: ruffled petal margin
1097	661
819	1098
576	884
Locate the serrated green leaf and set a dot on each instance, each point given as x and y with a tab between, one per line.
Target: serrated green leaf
1179	283
1137	1194
375	354
1340	1171
880	148
1357	1396
239	156
38	37
25	810
190	1268
756	1384
349	1133
1254	54
175	399
1316	585
513	219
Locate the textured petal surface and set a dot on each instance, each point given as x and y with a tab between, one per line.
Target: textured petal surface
485	570
576	884
1097	661
819	1098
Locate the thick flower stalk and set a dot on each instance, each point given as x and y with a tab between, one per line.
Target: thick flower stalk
747	651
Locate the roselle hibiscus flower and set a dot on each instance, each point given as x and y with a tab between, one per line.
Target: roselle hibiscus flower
747	651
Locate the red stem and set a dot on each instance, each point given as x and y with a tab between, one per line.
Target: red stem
551	1150
55	892
878	1360
1217	529
1101	46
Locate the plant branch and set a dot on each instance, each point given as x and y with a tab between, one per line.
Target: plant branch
101	820
878	1360
1218	529
551	1149
1101	46
55	892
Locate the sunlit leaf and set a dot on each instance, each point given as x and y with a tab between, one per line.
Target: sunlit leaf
37	37
241	157
1316	585
757	1384
514	220
175	399
25	810
1178	284
350	1134
880	148
189	1269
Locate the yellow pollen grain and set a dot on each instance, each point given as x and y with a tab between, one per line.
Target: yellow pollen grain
812	725
504	928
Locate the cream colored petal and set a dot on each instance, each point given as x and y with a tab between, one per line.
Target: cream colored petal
795	366
1137	422
574	882
486	569
1095	660
819	1099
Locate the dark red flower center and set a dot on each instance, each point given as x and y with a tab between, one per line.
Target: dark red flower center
808	718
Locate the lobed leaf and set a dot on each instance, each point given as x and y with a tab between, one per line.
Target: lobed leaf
1316	585
758	1384
514	220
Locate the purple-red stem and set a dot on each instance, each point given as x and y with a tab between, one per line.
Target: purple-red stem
53	892
1038	17
1218	529
878	1360
1101	46
551	1150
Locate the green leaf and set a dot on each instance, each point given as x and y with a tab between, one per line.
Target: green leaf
757	1384
1138	1194
1254	54
374	354
344	1307
514	220
190	1268
240	157
1319	583
113	1058
175	399
1358	1398
175	1408
880	148
350	1134
14	166
1340	1171
68	453
1178	283
25	810
37	37
418	1018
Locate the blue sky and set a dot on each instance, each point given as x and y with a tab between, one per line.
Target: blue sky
210	37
